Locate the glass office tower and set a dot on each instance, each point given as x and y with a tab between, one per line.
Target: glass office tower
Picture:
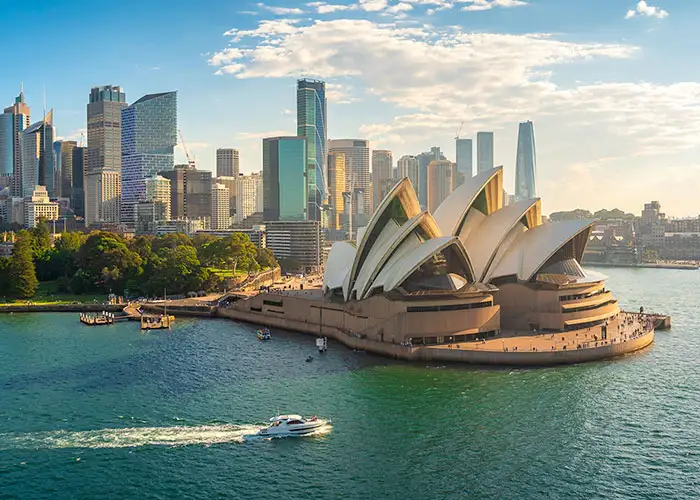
285	194
149	136
312	124
525	163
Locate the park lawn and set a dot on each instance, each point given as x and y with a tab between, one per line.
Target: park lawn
226	273
47	294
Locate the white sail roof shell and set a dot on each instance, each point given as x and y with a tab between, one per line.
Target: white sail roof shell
454	208
403	191
533	248
382	251
402	265
484	241
338	264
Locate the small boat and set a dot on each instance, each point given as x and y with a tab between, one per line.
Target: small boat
292	425
322	344
264	334
309	359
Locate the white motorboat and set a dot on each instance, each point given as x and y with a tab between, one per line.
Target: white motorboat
292	425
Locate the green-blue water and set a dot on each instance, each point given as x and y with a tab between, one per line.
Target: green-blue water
110	412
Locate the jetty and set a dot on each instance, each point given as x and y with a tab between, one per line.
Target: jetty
97	319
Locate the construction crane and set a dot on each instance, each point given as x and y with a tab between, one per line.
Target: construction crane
459	130
190	160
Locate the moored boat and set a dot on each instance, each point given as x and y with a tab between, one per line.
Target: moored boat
264	334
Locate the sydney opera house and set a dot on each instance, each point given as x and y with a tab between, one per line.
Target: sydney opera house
474	282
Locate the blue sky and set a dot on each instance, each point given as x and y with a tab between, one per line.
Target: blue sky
613	86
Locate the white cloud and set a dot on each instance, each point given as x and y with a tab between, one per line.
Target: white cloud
644	9
281	11
326	8
262	135
477	5
399	8
431	78
373	5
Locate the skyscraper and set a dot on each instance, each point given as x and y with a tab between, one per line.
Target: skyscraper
285	161
190	192
220	200
525	162
250	196
407	166
227	163
19	118
232	184
104	155
312	124
158	193
424	160
37	158
382	178
64	160
484	151
465	158
336	188
149	136
6	150
79	163
356	175
440	182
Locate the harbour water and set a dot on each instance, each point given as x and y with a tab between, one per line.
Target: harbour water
111	412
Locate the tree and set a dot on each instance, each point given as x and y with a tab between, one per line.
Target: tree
41	238
4	278
107	262
290	265
21	272
172	241
266	258
178	270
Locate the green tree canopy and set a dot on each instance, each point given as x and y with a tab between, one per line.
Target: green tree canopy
22	274
265	257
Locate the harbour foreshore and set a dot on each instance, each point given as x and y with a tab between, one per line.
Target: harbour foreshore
548	349
36	308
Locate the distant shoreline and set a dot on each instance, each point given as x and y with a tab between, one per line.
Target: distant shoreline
662	265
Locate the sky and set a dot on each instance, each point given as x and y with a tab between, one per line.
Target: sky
612	86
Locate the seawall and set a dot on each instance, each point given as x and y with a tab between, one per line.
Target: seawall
35	308
442	354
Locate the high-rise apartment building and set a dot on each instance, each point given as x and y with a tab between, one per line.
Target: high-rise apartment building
312	124
77	196
484	151
227	163
336	187
15	120
250	196
285	161
407	166
440	182
149	136
525	162
190	192
382	175
158	193
220	200
104	155
465	158
356	175
37	159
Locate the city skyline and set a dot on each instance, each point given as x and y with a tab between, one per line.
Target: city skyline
578	85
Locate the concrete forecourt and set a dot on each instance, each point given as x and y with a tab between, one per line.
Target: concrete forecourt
475	282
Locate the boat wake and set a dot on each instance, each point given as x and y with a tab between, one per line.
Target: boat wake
131	437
